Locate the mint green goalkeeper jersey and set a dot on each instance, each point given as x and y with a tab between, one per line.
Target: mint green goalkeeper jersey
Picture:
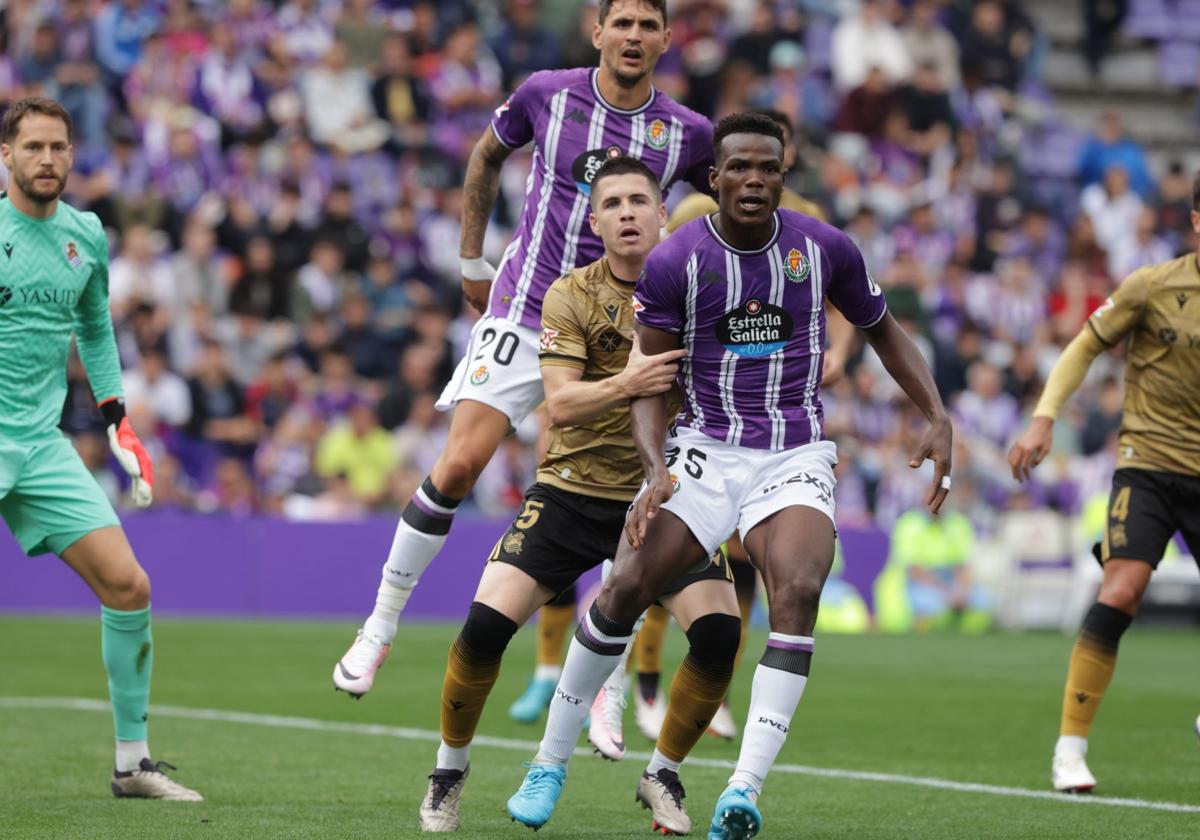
53	282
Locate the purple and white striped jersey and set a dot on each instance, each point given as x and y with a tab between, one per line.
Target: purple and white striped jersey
754	322
574	130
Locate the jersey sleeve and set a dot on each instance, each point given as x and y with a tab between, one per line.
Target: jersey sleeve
851	289
700	157
661	292
513	122
1118	315
563	340
94	328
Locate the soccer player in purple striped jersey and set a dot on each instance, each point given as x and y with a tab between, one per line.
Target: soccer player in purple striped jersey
575	120
743	291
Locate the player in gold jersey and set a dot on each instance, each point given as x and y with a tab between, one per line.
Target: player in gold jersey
574	514
1156	487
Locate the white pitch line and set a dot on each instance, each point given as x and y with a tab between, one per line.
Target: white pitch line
409	734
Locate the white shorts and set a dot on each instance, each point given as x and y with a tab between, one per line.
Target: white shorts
500	369
720	487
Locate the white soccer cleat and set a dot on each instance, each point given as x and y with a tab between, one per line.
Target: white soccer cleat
723	725
439	808
662	794
606	729
649	714
1070	774
150	782
355	671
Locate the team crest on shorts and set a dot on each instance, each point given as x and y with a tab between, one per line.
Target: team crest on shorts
675	485
657	135
514	542
73	258
796	266
480	375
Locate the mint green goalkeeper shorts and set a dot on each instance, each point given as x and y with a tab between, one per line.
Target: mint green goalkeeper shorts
48	497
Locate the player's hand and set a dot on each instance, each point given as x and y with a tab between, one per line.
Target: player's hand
646	376
1031	448
134	459
477	293
936	445
645	507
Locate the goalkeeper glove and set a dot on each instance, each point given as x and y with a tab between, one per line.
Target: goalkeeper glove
129	451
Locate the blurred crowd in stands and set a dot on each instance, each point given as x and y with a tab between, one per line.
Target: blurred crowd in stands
282	182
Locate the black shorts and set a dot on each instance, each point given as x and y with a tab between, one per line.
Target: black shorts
1145	510
559	535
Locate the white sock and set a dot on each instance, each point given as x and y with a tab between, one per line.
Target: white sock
453	758
547	672
773	699
1071	745
420	535
130	754
584	672
658	761
618	680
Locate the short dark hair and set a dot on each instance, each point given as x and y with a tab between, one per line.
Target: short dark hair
605	7
1196	193
32	105
625	165
778	117
747	122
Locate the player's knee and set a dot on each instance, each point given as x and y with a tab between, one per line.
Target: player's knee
624	597
714	638
1121	595
487	631
456	472
794	603
127	590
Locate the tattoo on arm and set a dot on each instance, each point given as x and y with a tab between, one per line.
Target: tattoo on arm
480	189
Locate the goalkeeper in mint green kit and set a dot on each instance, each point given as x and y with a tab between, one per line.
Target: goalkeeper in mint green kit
54	283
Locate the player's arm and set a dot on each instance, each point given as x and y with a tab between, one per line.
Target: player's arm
904	362
861	301
841	345
649	418
98	351
571	401
1066	376
480	189
1104	329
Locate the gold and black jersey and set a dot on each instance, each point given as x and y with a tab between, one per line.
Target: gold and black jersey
1158	307
587	323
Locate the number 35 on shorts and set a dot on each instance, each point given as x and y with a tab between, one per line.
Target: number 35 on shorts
689	461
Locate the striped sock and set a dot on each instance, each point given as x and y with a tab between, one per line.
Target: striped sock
595	651
420	535
779	682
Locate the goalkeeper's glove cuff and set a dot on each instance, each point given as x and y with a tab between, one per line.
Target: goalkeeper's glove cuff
113	410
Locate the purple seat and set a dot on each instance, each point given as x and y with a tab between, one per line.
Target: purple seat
1187	20
1153	19
1179	63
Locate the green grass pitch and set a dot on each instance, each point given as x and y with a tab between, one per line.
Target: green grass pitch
981	710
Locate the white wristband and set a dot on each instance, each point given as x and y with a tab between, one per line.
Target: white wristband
476	268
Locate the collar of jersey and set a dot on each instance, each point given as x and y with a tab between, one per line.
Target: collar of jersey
600	97
708	220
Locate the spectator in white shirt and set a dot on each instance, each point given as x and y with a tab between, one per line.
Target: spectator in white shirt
154	386
865	40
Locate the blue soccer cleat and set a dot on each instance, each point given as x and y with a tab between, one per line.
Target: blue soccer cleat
736	817
529	706
534	801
